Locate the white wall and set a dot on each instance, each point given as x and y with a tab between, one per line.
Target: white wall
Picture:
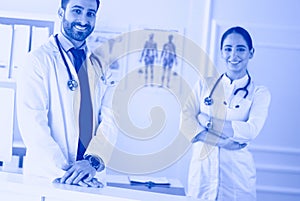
151	13
48	7
182	15
265	12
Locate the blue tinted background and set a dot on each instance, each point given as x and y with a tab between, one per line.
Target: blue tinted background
275	30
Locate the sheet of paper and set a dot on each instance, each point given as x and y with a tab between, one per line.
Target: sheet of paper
20	48
6	123
5	44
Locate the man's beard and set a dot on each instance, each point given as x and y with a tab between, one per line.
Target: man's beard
74	33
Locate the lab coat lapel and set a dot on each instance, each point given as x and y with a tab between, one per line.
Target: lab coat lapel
92	85
76	98
75	94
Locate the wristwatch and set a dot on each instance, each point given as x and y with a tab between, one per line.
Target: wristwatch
95	161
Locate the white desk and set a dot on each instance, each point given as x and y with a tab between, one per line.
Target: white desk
15	187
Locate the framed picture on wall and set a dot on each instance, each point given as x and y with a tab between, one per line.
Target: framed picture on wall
161	50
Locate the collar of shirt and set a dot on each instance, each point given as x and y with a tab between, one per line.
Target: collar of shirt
67	45
236	83
231	86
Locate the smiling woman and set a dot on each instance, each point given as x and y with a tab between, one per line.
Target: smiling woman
221	167
236	49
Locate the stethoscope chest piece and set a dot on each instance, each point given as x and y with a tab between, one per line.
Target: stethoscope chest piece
208	101
72	84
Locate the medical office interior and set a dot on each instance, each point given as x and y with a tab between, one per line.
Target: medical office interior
275	29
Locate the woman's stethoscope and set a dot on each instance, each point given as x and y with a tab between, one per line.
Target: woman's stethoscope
72	83
209	101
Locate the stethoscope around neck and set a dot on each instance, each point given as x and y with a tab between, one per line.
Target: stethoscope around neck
209	100
72	83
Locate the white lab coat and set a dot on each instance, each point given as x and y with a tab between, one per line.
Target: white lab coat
48	110
217	173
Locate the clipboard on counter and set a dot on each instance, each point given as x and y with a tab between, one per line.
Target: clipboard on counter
149	181
150	184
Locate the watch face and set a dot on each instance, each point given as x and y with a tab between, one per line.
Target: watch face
95	162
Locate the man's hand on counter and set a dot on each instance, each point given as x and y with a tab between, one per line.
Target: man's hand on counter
94	183
81	173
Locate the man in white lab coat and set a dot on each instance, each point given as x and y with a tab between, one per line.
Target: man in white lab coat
49	96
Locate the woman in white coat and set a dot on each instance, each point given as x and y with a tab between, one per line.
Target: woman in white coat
48	109
224	120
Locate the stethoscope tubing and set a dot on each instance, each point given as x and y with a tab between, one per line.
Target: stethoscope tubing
72	83
100	66
209	100
244	88
63	57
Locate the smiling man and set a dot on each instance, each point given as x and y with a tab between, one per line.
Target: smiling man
60	103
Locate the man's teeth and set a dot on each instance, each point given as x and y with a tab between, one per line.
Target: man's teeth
80	27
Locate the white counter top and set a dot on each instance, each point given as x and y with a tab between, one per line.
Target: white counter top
16	187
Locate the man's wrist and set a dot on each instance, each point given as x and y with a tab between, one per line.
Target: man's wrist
95	161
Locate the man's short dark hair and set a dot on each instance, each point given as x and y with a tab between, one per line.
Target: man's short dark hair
65	2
